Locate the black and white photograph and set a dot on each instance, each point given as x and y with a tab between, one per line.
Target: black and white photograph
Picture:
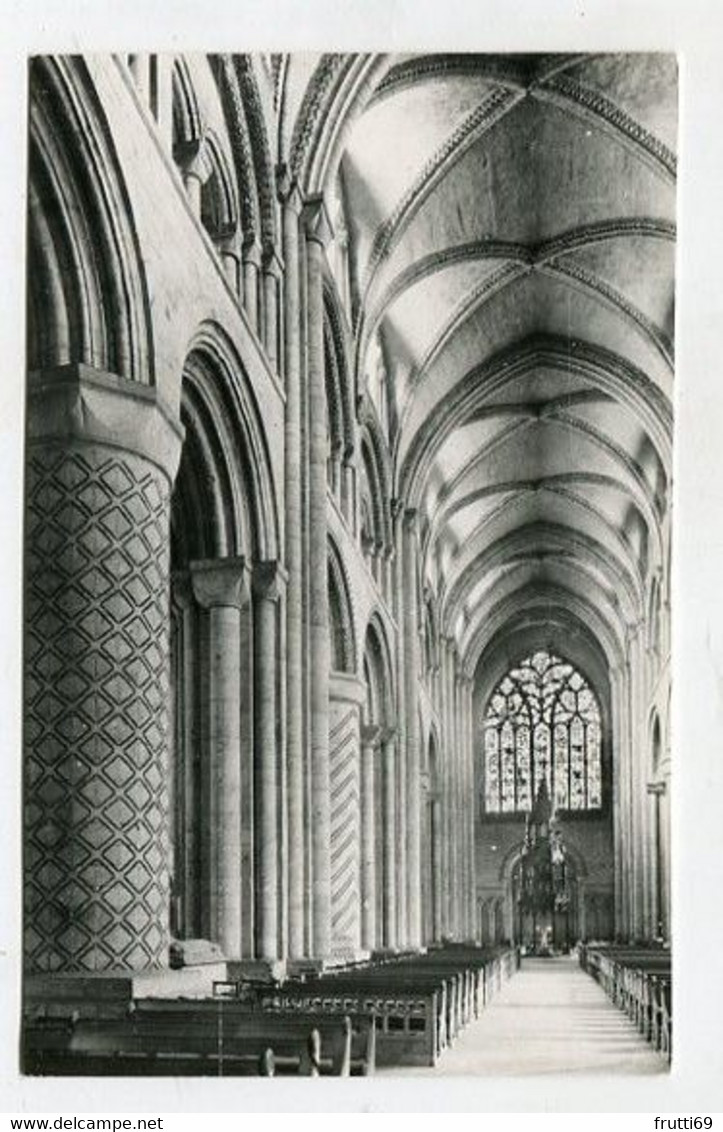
364	684
347	564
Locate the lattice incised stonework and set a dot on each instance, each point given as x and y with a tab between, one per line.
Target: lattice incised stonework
96	703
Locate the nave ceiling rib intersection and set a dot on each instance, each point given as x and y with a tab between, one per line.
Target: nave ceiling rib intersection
512	224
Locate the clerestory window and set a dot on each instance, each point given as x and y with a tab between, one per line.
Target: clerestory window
542	721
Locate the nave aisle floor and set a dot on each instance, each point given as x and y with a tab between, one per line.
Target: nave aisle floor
549	1018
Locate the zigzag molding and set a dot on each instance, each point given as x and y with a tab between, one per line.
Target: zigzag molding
599	110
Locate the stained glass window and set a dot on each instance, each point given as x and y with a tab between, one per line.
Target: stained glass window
542	721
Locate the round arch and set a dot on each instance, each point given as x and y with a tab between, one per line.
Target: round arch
379	674
217	377
341	615
88	301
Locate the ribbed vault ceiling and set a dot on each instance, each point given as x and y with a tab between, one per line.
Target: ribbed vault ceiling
512	234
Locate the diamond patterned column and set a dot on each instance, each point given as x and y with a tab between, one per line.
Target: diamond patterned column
96	839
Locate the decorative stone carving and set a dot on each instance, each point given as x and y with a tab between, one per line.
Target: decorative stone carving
96	701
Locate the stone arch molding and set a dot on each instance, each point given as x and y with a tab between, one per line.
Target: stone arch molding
214	369
88	302
341	609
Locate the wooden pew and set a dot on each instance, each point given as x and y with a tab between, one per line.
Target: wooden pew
303	1043
102	1048
405	1024
420	1001
169	1038
637	980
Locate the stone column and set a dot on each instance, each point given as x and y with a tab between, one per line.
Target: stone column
461	803
616	788
101	457
402	707
639	753
469	795
347	489
251	258
272	268
444	776
665	851
452	815
410	609
196	169
140	68
291	202
388	873
162	104
318	233
221	587
436	870
369	746
228	248
268	581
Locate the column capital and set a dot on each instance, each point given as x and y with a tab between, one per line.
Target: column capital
194	159
229	243
410	519
387	735
251	250
271	261
269	580
371	735
220	582
181	588
316	221
80	403
287	189
659	788
347	688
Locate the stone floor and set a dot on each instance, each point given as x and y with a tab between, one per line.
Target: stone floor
549	1018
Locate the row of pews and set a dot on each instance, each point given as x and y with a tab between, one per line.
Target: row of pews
403	1010
638	980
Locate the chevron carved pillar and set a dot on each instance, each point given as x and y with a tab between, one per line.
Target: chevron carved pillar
101	457
346	695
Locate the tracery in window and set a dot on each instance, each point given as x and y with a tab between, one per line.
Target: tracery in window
542	721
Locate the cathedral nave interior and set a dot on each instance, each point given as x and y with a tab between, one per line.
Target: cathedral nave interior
348	518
